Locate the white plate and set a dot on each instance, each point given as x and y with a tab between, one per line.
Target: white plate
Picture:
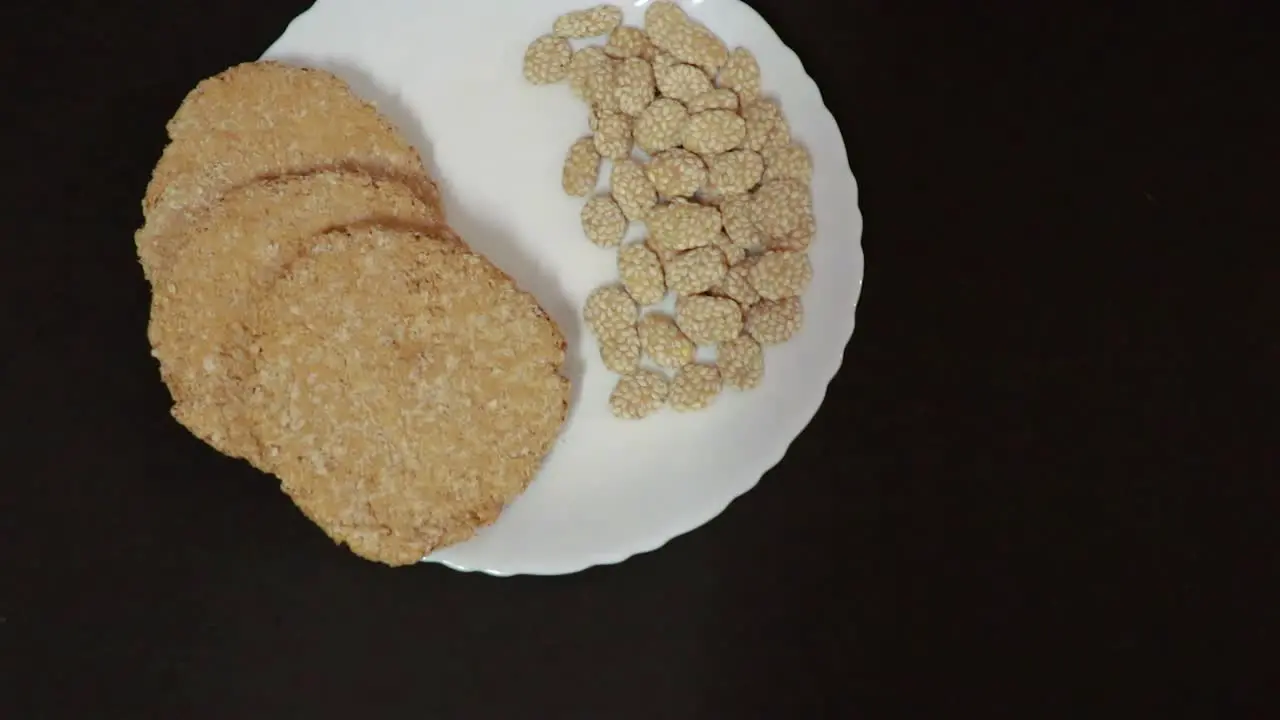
449	73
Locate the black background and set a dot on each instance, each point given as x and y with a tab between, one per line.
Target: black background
1031	486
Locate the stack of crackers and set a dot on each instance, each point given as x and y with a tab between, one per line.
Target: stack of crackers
314	314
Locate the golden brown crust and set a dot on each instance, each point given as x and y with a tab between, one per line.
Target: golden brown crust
263	119
228	257
404	394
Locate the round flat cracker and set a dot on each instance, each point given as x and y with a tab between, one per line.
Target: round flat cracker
227	259
404	396
265	119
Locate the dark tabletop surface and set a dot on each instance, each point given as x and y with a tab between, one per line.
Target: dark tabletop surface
1028	491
